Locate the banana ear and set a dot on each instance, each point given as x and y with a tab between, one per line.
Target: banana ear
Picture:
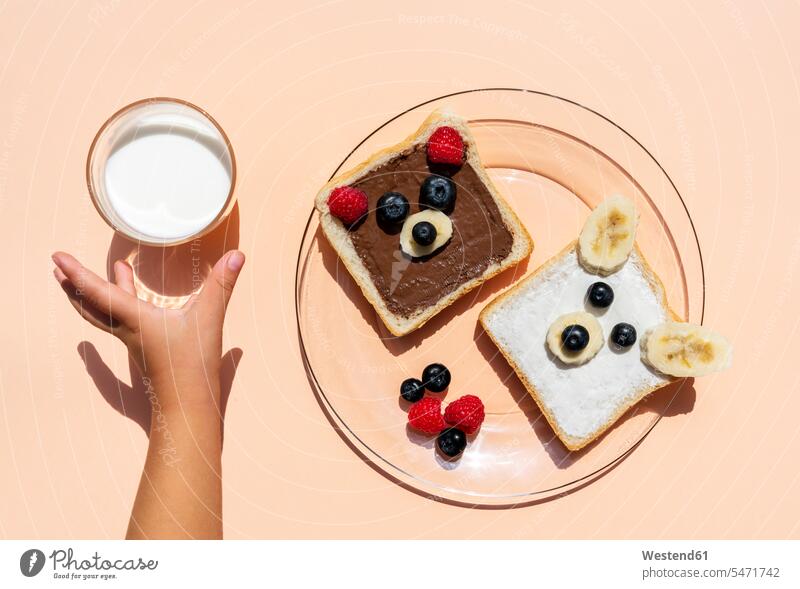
684	350
608	235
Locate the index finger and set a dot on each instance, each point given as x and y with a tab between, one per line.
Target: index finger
105	297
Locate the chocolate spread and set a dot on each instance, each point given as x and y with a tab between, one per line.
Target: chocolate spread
480	237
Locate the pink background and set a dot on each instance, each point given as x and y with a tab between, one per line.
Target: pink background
712	91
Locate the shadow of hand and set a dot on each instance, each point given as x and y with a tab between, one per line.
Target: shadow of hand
131	400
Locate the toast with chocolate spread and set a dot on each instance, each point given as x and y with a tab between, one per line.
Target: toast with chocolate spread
420	224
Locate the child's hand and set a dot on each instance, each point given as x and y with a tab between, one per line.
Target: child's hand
178	350
179	343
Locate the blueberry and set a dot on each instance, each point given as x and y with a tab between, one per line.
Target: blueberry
412	390
623	335
436	377
424	233
437	192
452	442
393	208
575	337
600	295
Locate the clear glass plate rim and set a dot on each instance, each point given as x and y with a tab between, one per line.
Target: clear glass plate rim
400	475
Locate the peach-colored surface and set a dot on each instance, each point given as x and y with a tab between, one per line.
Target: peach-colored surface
712	91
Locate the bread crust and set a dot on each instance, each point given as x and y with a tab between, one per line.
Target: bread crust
571	442
338	235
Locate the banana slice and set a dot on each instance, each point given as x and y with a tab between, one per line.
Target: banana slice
444	231
607	237
682	349
592	328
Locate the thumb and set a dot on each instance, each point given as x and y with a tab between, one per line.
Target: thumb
219	285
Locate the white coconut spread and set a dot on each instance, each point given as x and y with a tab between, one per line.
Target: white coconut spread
581	398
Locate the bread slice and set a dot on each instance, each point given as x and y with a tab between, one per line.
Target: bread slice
340	238
580	402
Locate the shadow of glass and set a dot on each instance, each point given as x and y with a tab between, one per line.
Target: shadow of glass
167	276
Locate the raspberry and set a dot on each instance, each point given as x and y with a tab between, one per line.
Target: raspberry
426	416
348	204
445	146
466	413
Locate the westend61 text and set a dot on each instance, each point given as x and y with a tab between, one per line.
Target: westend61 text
690	555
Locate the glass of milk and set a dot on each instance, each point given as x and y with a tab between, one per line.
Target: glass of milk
161	171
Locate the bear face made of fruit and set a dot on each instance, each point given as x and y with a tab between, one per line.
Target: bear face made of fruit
427	231
672	348
420	223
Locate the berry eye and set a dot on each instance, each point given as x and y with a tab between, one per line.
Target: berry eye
393	208
623	335
438	193
600	295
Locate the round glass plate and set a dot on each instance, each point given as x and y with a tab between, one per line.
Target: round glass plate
553	160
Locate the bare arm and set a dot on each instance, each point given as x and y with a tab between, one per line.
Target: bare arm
180	492
178	352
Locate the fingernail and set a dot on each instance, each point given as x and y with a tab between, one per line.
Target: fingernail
56	259
235	261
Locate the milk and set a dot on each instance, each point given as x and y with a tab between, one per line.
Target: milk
169	177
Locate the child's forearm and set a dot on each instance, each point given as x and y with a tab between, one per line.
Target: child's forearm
180	492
